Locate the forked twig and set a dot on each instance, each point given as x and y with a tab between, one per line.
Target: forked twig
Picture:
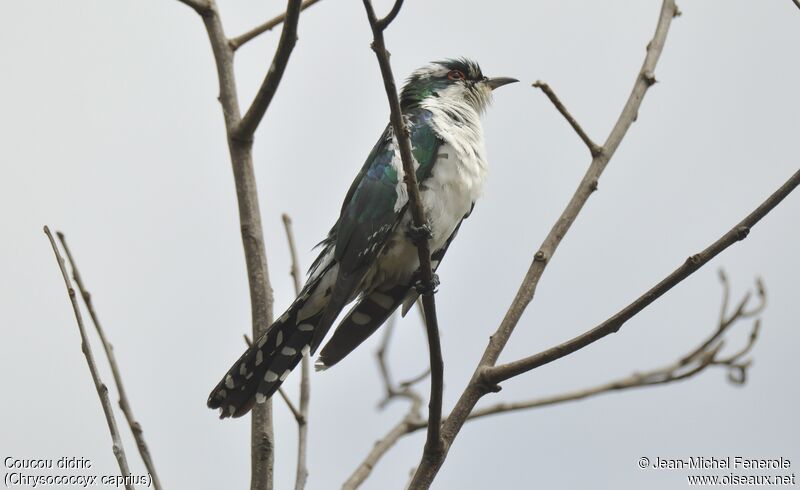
102	390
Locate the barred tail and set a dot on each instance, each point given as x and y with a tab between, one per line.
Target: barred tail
259	372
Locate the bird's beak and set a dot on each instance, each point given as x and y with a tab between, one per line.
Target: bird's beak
496	82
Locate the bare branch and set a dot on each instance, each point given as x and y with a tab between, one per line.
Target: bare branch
737	233
411	422
102	390
292	408
433	443
726	295
305	369
247	126
238	41
294	271
383	365
200	6
262	439
383	23
477	386
593	148
416	379
401	389
124	403
691	364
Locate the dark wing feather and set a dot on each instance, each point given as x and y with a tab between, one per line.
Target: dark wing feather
369	215
360	322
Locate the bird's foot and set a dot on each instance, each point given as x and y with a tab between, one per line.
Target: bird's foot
418	233
424	288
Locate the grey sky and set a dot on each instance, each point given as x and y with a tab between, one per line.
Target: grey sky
110	131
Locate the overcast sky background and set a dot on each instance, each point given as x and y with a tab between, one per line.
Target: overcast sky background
110	131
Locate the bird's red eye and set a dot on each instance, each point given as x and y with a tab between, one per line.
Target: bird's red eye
455	75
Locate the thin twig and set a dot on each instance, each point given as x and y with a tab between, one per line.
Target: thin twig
392	390
433	443
292	408
737	233
294	271
411	421
124	403
477	386
416	379
305	369
383	365
238	41
593	148
252	118
726	295
102	390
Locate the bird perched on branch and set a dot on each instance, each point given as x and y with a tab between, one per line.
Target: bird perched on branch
370	254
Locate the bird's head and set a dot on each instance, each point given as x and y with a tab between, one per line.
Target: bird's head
452	81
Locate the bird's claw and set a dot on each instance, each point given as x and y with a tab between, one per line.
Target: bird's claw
418	233
424	288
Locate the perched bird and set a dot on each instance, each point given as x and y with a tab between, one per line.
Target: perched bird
370	254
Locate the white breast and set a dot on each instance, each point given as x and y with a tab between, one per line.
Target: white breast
449	193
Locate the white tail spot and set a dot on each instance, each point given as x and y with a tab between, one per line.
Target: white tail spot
259	357
221	394
242	369
383	300
360	318
279	338
305	327
229	381
231	409
270	377
288	351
